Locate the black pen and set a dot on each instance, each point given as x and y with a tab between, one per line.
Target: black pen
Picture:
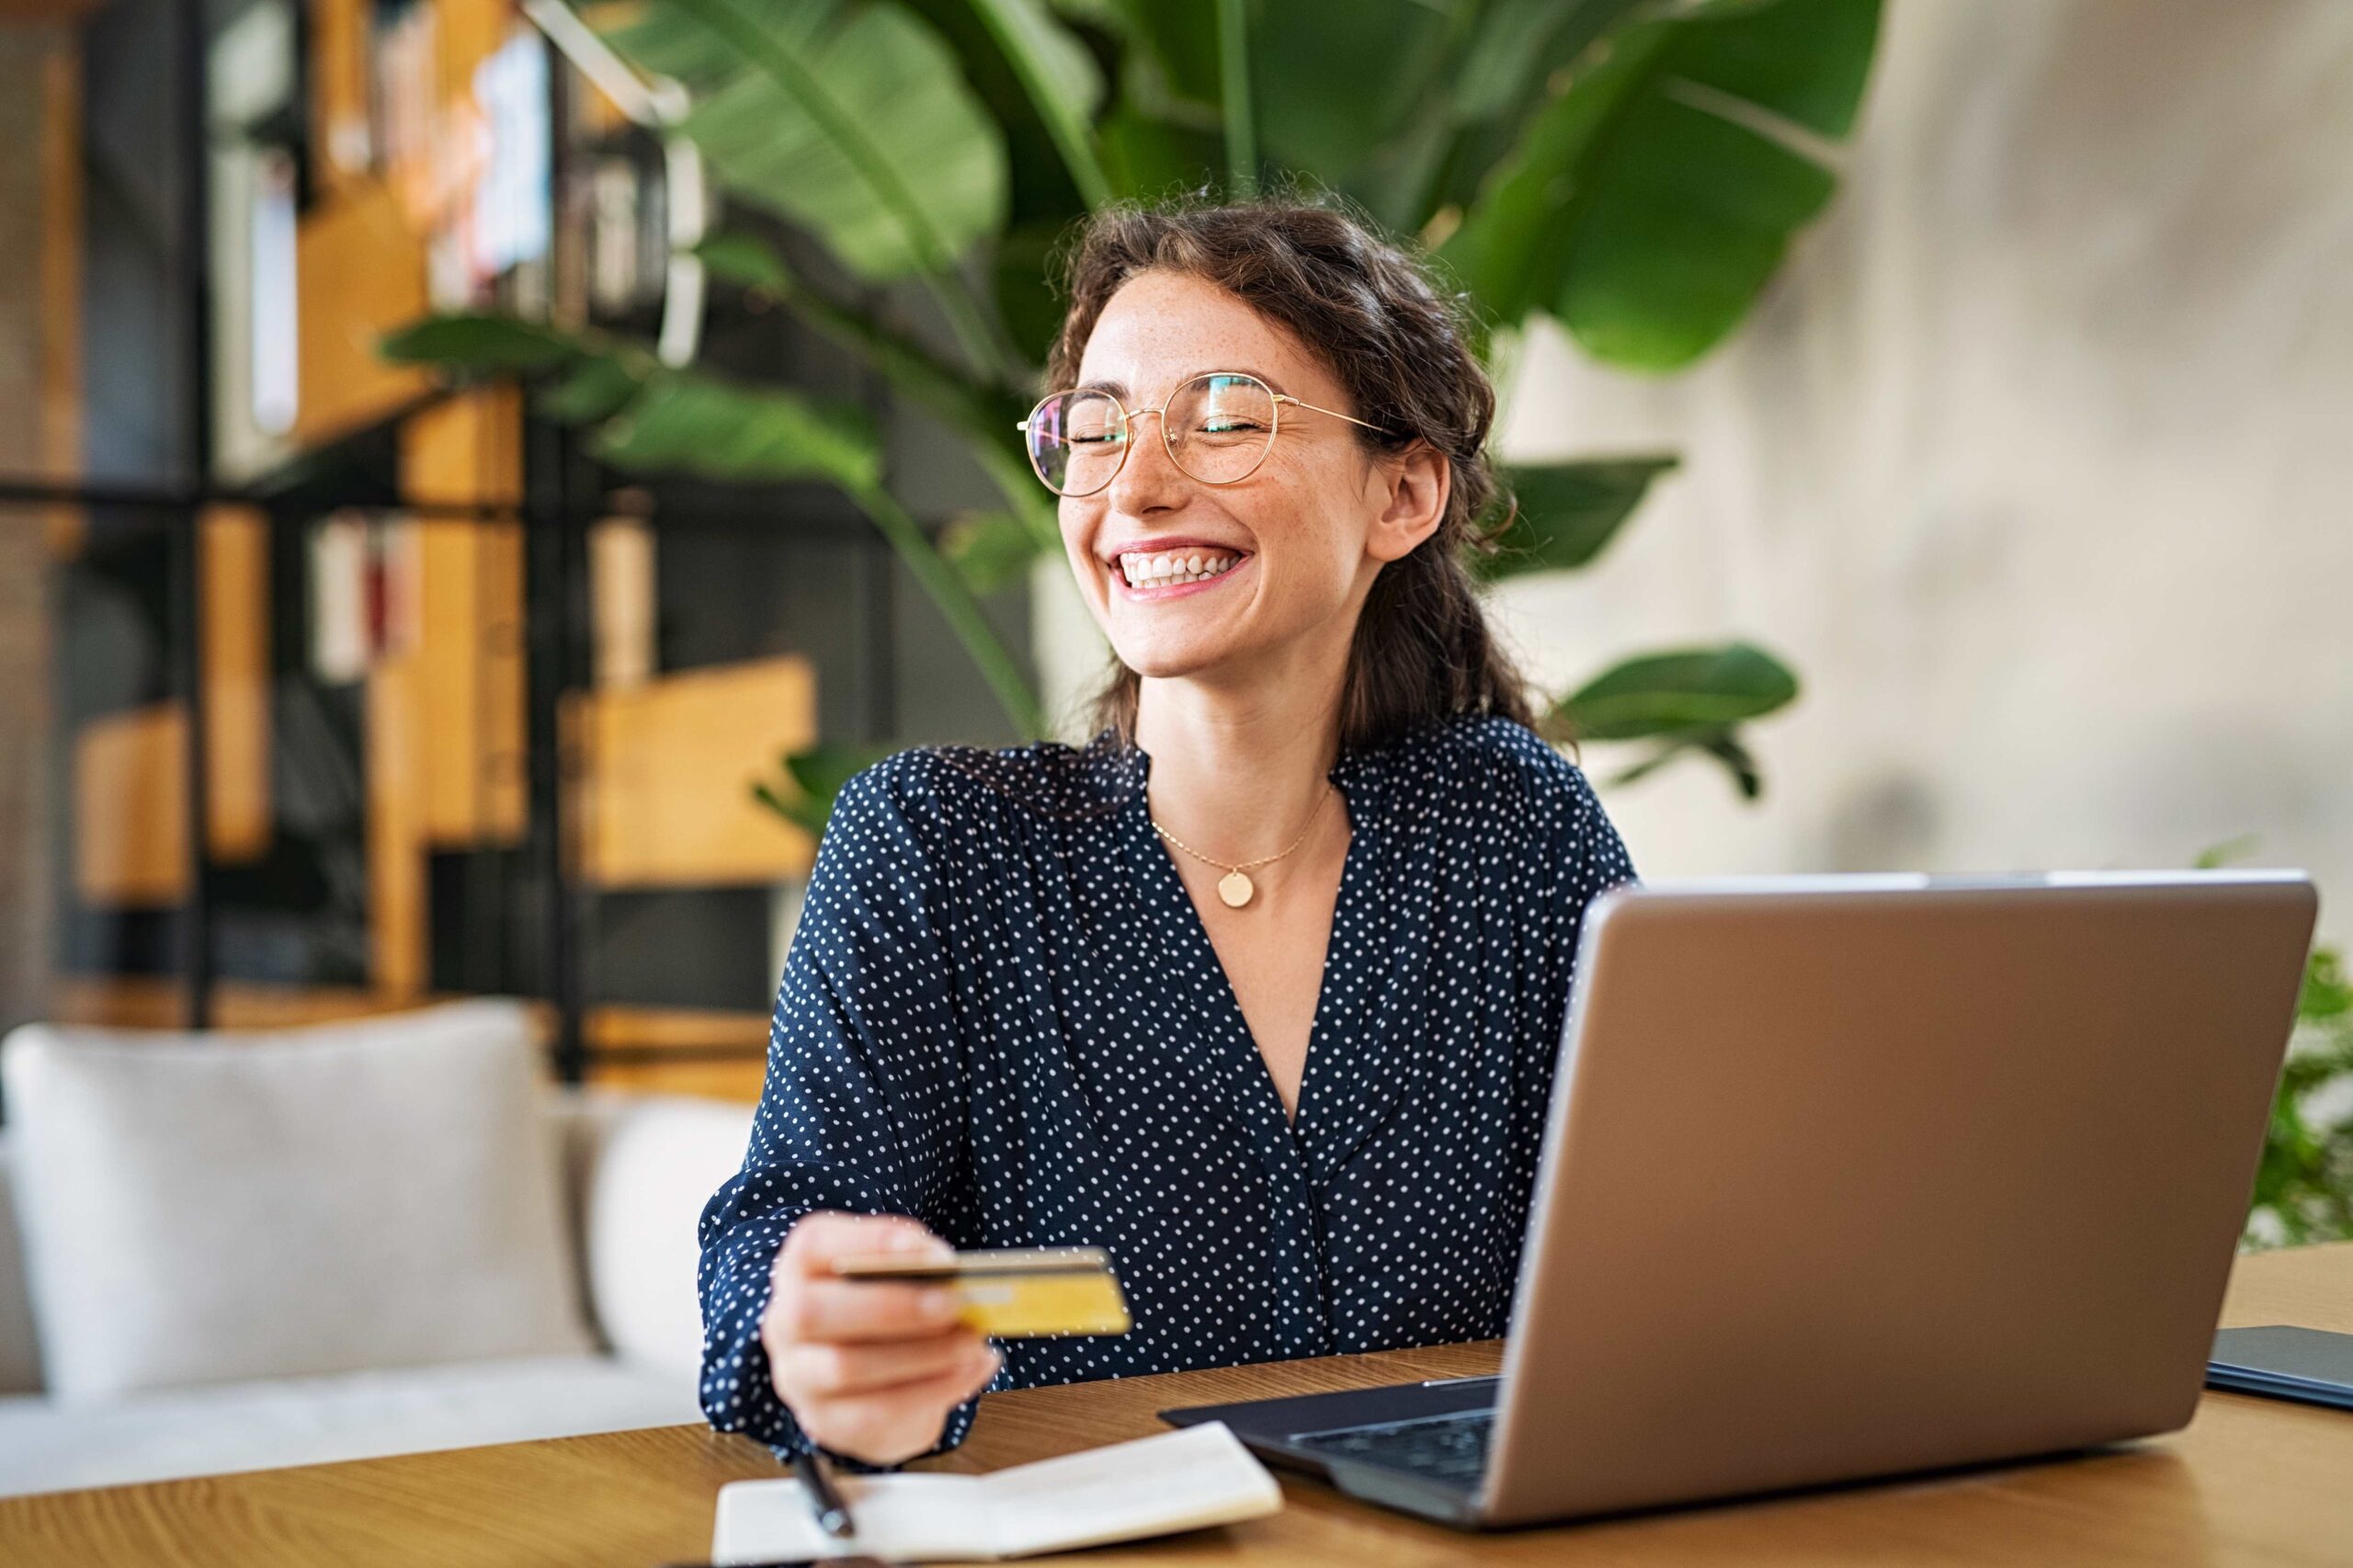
833	1514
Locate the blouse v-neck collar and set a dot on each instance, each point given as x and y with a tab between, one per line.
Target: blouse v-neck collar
1347	1082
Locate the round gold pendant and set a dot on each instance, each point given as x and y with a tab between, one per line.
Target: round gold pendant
1235	888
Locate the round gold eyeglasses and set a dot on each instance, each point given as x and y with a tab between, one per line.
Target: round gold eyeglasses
1218	427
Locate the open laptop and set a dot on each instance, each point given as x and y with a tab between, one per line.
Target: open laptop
1854	1176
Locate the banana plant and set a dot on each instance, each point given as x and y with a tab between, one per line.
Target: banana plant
2303	1184
1632	169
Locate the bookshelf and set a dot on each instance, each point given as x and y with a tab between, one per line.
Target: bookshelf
470	714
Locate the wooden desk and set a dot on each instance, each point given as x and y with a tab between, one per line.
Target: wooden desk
2250	1480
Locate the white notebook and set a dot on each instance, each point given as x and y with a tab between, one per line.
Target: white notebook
1177	1481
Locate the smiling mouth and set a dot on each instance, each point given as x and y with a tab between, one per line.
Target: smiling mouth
1149	575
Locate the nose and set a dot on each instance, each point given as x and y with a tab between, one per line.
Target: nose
1149	479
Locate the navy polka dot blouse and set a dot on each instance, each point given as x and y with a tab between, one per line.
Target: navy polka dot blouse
1000	1013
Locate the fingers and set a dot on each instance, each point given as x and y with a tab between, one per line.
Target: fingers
830	1371
890	1424
817	1238
869	1369
866	1310
811	1303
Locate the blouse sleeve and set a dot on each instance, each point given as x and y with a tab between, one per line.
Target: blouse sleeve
864	1104
1588	853
1575	856
1583	857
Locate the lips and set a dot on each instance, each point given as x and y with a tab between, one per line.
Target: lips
1151	576
1152	569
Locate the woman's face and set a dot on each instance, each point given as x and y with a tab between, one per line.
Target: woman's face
1307	531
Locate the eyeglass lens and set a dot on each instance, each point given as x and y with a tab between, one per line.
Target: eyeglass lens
1218	429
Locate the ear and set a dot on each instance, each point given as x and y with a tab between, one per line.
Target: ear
1411	488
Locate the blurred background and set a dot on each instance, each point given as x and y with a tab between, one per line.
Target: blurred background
1933	426
474	475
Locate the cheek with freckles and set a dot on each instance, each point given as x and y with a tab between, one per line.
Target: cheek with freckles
1309	556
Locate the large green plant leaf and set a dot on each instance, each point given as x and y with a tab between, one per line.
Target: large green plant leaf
853	122
738	258
1567	513
1146	156
1648	204
1335	78
813	779
1062	81
1025	294
478	345
989	550
1518	43
1171	66
1690	689
655	419
1721	742
1498	59
1689	702
717	429
983	413
585	376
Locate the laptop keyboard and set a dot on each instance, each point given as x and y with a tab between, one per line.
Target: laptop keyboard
1444	1447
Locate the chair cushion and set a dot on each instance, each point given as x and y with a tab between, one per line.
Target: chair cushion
663	1156
19	1340
260	1425
202	1208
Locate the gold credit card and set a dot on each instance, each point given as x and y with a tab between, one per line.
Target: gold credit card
1013	1292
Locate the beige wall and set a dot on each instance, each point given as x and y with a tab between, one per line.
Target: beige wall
2037	462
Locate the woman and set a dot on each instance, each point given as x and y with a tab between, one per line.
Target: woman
1261	989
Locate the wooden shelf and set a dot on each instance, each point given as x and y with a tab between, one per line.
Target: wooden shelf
667	767
131	807
130	768
697	1035
470	670
233	565
359	272
740	1081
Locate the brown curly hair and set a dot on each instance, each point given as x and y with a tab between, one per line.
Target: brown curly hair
1399	343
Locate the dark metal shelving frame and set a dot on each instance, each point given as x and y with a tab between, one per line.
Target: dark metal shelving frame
562	496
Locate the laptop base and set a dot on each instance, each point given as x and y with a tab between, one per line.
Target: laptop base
1272	1429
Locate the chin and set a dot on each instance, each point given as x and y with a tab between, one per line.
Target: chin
1156	661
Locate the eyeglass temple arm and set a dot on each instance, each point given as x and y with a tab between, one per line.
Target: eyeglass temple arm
1286	397
1023	423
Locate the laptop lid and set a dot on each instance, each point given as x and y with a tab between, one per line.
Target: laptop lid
1849	1175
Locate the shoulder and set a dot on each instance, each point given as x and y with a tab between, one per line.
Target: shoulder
1496	767
1488	788
934	791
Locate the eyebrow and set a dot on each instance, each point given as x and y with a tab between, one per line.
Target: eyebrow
1119	389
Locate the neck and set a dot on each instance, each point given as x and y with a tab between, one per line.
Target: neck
1239	775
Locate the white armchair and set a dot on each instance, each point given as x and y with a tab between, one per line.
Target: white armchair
634	1172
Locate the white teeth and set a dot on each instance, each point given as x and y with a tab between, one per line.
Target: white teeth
1155	570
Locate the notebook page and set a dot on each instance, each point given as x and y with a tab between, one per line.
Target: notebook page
1176	1480
908	1517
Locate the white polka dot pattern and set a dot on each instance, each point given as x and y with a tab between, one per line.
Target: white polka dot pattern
1001	1014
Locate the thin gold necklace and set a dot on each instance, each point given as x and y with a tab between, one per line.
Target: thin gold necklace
1235	887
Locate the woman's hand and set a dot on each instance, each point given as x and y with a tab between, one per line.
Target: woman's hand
869	1369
